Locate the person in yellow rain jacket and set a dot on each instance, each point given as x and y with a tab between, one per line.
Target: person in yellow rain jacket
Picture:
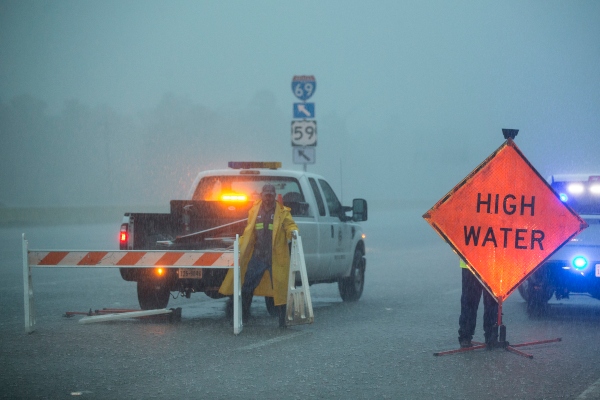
264	247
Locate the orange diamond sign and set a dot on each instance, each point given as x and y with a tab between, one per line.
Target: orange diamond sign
504	220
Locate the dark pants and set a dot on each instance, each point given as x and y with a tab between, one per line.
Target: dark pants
254	273
469	302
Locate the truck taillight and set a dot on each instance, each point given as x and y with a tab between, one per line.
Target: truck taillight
124	234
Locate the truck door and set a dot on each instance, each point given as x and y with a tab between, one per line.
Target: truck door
339	232
321	268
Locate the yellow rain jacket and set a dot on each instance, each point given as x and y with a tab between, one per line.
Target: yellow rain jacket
283	225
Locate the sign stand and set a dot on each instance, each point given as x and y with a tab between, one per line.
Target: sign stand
497	221
502	342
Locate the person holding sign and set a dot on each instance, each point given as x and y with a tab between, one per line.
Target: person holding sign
469	302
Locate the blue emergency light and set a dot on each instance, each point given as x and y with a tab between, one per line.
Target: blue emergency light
580	263
563	197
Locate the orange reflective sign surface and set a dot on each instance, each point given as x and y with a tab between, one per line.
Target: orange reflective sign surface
504	220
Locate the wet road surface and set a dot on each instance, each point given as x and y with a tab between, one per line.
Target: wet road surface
380	347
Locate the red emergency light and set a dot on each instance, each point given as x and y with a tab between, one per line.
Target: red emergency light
124	234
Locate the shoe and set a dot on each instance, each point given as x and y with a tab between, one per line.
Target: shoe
282	316
492	343
229	312
491	339
246	304
465	343
229	309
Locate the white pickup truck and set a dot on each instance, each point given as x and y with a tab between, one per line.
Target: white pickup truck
216	210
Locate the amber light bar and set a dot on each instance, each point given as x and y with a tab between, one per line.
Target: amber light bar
234	197
254	164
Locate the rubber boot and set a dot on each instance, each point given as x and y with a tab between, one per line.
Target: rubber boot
281	310
229	309
246	303
491	338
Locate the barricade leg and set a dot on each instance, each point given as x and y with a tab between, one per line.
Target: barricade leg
299	303
28	302
304	278
237	293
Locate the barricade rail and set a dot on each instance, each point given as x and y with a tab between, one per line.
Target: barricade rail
225	259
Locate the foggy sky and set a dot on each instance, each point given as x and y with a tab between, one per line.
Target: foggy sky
124	102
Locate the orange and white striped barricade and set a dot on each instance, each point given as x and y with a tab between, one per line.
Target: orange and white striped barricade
225	259
299	303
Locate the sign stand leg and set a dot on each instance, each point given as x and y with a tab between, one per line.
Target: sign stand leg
28	300
502	342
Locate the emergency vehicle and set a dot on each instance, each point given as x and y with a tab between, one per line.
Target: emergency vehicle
216	209
574	268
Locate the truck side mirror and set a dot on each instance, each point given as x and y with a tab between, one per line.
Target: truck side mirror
359	210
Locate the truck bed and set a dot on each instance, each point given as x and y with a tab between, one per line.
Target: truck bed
191	225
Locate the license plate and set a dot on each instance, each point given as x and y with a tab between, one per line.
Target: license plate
598	270
196	273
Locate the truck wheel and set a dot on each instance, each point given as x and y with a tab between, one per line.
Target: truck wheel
271	309
538	294
524	289
128	274
351	288
152	295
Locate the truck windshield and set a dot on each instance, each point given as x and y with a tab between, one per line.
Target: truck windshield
586	202
247	188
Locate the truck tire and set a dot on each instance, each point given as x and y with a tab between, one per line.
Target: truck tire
538	294
524	289
129	274
351	288
271	309
152	295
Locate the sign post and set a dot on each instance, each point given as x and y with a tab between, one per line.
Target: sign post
304	126
504	220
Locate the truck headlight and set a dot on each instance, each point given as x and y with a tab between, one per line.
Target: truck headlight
576	188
